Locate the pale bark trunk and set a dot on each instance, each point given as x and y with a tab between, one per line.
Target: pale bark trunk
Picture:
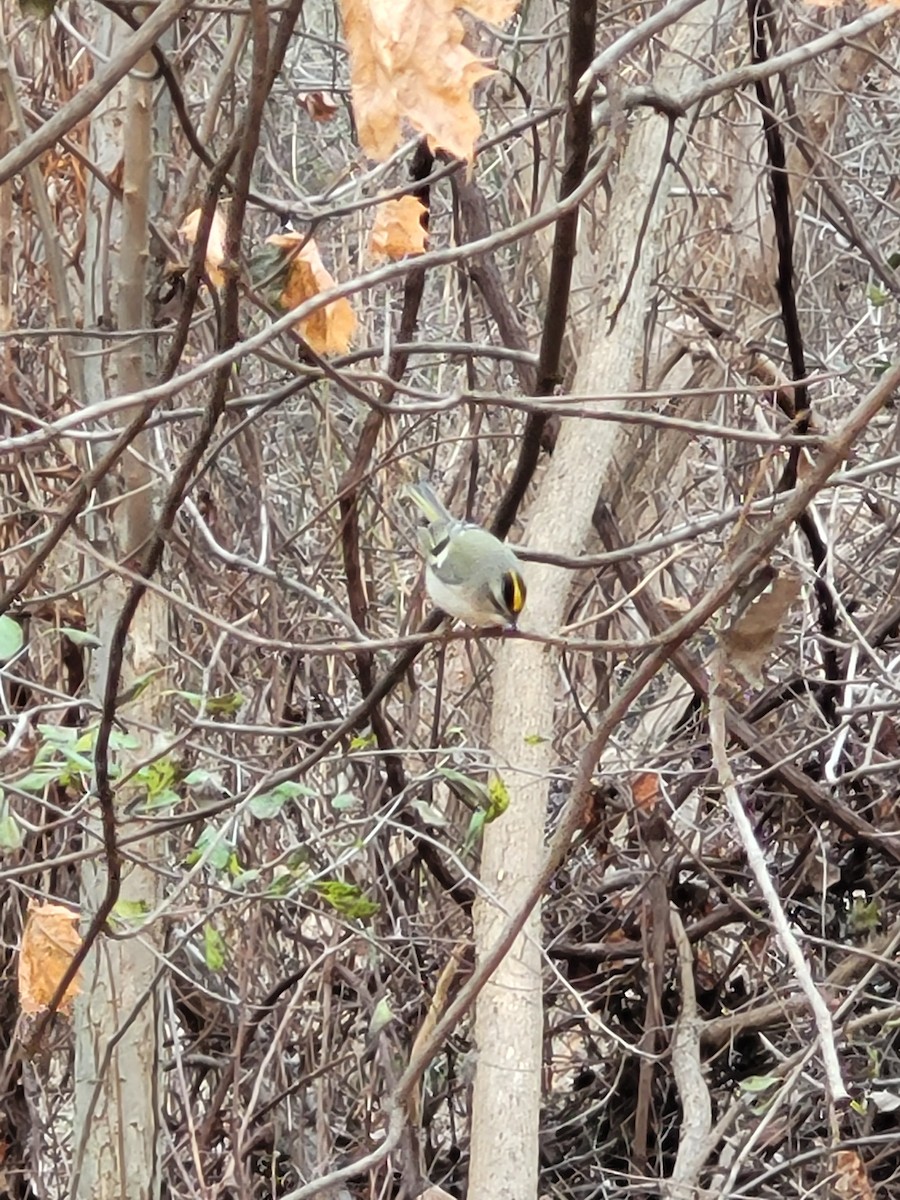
117	1093
509	1016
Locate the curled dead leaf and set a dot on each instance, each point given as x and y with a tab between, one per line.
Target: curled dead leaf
851	1180
751	637
49	942
397	229
330	329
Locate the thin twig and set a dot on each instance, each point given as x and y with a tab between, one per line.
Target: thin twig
838	1093
696	1106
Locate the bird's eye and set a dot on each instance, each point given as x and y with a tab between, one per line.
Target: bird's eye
513	592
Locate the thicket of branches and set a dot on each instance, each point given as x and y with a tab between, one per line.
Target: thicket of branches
319	776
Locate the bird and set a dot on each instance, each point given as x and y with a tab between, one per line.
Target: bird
469	573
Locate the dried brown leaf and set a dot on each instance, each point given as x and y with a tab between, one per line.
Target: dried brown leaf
397	229
851	1182
215	243
408	64
49	941
330	329
645	791
752	636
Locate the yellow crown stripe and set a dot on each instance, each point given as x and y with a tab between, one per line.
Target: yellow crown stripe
518	596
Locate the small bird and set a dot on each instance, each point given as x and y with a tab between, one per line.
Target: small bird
469	573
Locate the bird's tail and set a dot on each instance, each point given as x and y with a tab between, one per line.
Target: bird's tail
425	498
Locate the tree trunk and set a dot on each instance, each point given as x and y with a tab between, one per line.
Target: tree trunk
509	1017
117	1094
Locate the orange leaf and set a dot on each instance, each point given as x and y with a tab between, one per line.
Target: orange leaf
851	1181
330	329
645	791
408	63
49	942
215	243
397	229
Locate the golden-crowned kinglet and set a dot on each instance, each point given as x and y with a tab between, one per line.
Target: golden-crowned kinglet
469	573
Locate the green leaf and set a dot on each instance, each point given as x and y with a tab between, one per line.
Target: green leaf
120	740
79	763
364	741
80	637
11	837
534	739
62	736
864	916
293	790
876	296
281	884
428	812
346	898
211	846
158	777
225	705
12	638
757	1083
197	777
344	801
213	947
382	1016
36	781
137	686
269	804
894	261
37	8
131	912
165	799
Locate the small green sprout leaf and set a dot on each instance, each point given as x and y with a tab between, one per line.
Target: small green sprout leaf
80	637
346	898
12	638
269	804
344	801
429	814
757	1083
364	741
212	847
10	832
131	912
382	1016
213	947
